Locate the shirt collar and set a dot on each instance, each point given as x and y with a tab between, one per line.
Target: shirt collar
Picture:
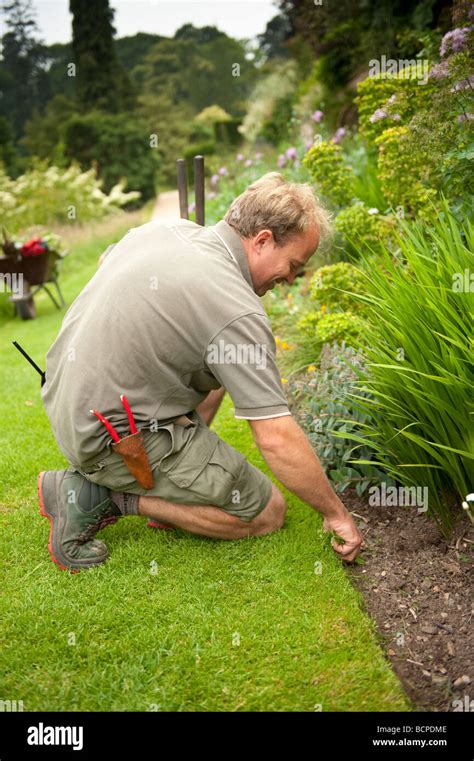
233	243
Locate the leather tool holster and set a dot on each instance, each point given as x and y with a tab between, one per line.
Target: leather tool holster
132	451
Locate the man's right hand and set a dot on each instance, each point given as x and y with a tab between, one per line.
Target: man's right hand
348	531
291	458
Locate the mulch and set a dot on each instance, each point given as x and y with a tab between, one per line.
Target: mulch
417	585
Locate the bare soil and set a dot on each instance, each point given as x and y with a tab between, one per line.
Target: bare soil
417	585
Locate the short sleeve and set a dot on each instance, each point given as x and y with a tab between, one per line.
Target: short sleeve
242	358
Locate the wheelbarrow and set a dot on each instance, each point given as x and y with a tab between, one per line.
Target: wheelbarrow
31	274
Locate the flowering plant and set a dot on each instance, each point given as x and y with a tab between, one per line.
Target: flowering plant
422	128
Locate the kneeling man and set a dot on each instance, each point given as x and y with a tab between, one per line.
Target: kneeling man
171	321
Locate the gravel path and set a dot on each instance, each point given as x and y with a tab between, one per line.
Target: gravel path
167	206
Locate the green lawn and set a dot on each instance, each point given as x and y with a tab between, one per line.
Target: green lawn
171	621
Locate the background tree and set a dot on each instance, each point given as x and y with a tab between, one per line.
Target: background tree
273	41
119	148
101	81
23	80
7	150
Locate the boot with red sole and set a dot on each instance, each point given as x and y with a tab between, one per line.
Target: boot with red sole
76	509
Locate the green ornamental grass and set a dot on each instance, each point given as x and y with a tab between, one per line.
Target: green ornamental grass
418	345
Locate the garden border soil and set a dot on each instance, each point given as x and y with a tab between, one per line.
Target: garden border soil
417	586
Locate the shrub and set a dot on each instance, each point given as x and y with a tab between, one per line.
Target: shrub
364	228
309	322
332	176
328	413
367	186
402	169
276	128
339	326
212	114
422	130
204	148
329	283
320	327
278	84
384	100
50	194
339	316
227	132
444	129
373	94
120	148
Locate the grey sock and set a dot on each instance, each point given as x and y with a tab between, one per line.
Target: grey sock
126	503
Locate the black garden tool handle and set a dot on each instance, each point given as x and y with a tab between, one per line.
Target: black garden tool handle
31	361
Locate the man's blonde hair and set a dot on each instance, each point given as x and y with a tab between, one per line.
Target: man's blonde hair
285	208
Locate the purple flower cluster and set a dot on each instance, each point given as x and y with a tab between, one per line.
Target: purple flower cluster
249	162
289	155
338	135
454	41
440	70
464	84
378	114
317	116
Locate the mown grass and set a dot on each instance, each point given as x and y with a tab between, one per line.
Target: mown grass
171	621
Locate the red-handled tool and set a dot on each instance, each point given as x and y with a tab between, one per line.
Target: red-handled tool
131	448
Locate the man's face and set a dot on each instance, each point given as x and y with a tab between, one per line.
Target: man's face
270	264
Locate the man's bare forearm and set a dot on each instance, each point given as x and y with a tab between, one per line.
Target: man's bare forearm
293	461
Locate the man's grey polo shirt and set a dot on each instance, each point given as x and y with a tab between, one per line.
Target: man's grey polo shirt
170	314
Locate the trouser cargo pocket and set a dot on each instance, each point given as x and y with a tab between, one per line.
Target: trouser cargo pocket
208	468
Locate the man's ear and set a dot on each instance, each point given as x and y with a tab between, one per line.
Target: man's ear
262	238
